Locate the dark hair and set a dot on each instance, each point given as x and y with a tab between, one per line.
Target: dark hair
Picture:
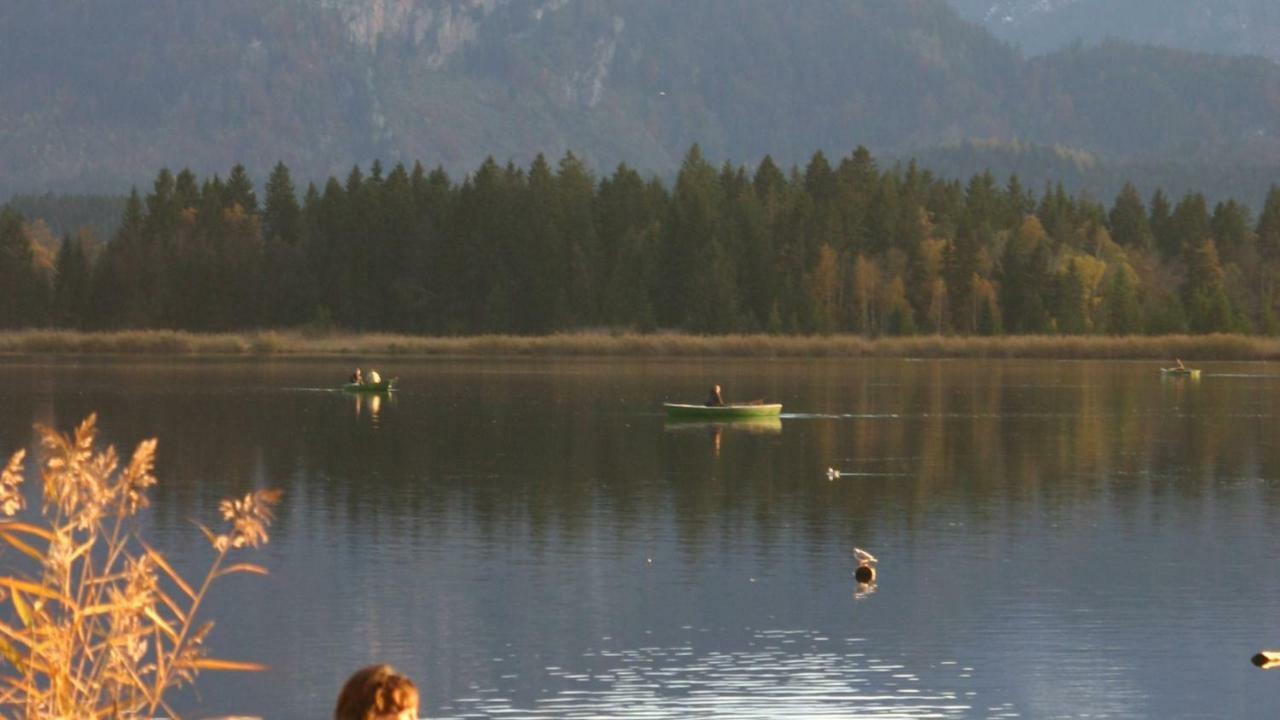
375	692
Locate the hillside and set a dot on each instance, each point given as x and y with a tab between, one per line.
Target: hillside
1235	27
98	95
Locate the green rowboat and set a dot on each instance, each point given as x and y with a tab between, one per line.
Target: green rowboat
1193	373
384	386
717	412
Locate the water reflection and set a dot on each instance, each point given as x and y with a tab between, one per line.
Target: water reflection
780	674
370	404
759	426
716	430
485	528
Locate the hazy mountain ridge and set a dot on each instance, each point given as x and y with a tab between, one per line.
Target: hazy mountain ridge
101	94
1238	27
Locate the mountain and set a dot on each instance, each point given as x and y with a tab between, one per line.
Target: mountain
1236	27
97	96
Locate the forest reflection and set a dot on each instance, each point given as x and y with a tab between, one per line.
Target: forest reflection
552	448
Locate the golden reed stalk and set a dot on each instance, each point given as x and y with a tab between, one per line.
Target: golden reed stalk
101	624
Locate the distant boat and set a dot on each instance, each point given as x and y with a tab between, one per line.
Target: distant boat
717	412
1193	373
384	386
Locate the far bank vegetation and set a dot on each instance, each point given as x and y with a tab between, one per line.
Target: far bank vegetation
635	345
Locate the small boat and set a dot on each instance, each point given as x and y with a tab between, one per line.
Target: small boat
384	386
1193	373
717	412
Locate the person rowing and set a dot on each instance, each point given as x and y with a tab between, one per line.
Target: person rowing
714	398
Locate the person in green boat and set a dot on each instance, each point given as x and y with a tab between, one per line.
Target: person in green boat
374	377
714	398
356	378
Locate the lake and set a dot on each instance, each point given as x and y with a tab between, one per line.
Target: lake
532	539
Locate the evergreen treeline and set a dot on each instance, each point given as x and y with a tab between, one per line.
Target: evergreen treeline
831	247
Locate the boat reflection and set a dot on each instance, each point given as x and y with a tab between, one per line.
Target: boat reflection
756	425
370	404
771	425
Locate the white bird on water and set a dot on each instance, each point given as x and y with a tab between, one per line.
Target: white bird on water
864	557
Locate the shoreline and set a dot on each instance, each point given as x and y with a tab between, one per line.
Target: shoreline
604	344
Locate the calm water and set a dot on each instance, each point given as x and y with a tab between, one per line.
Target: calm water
533	540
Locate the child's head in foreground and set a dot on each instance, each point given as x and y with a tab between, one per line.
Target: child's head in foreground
377	693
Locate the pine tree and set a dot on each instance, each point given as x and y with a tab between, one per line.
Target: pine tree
239	190
1190	224
1069	309
281	217
19	285
1123	311
689	281
1024	278
1129	224
185	192
1208	308
575	190
1161	222
1268	229
71	283
1230	228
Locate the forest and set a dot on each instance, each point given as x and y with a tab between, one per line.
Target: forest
843	246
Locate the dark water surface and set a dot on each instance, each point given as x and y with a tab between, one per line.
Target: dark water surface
532	540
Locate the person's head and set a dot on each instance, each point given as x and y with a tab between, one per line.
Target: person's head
715	389
377	693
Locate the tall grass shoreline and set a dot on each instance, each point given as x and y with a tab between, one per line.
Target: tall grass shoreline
283	344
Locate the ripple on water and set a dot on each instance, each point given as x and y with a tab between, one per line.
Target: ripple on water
775	680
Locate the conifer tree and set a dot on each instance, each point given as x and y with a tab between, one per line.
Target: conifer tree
71	283
239	190
1190	224
574	198
185	192
1161	222
1024	279
1130	226
1229	227
1268	229
19	285
1123	311
1208	308
281	217
693	276
1070	311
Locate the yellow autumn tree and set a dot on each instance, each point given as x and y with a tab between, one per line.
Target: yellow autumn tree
824	287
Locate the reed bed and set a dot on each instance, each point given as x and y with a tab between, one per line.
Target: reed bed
605	343
94	622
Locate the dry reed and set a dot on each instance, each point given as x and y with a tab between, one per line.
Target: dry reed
606	343
102	625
